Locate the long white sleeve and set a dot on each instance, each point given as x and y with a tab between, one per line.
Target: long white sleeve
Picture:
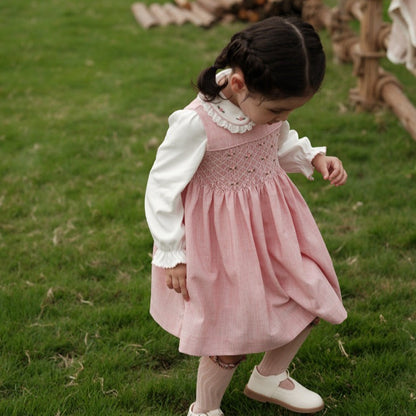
295	154
177	159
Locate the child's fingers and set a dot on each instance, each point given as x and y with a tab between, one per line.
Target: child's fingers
332	170
185	293
169	281
337	172
325	173
338	177
322	168
178	284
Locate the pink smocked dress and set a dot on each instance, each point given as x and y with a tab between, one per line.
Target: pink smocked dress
258	271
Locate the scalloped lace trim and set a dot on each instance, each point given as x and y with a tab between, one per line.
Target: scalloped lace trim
221	122
236	122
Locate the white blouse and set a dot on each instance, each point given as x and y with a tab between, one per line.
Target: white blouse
177	160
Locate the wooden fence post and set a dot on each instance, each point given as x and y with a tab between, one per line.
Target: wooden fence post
368	67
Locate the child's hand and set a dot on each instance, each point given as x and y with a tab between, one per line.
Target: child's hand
331	169
176	280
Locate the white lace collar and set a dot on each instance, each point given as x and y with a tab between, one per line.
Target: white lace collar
226	114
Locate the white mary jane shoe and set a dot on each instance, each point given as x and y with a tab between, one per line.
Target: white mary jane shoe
267	389
216	412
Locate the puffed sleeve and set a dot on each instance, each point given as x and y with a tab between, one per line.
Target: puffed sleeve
295	154
177	159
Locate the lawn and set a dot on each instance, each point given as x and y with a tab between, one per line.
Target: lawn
85	94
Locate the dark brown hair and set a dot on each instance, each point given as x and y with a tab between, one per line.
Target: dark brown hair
279	58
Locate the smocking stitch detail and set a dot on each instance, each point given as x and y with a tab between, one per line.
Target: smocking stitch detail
243	166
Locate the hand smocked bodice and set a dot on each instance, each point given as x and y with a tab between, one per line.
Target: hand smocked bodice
239	167
235	160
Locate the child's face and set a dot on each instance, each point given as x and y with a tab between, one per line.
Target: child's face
269	111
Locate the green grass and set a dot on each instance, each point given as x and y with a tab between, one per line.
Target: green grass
83	91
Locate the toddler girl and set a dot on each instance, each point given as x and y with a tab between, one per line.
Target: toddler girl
239	264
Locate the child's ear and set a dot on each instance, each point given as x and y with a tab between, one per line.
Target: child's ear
237	82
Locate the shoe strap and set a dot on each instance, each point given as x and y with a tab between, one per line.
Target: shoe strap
282	376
